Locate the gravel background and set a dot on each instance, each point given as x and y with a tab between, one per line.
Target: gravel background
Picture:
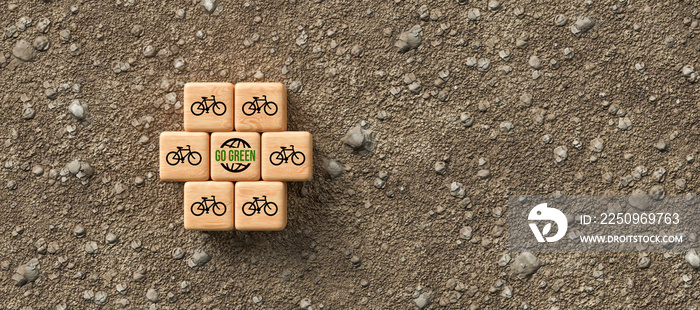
468	97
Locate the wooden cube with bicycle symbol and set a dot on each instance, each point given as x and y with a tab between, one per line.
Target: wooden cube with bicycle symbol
258	163
208	205
208	107
184	156
260	206
286	156
260	107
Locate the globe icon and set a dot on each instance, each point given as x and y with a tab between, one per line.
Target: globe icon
235	143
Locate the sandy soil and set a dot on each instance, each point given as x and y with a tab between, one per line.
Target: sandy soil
109	224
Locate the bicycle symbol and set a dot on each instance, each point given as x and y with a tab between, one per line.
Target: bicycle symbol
251	107
198	208
250	208
283	155
199	107
175	157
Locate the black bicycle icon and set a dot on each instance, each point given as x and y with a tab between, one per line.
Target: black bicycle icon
200	107
252	107
283	155
250	208
175	157
198	208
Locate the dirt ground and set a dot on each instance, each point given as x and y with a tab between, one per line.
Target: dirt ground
108	233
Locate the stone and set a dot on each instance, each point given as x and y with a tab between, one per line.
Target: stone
410	39
560	154
693	259
305	304
24	51
457	190
582	24
333	169
597	145
199	258
41	43
152	295
358	138
76	109
210	6
423	300
28	272
525	264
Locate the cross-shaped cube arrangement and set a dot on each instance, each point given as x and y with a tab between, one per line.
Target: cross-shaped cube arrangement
235	179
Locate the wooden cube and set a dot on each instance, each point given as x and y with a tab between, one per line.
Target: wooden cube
235	156
208	107
261	205
184	156
261	107
208	205
286	156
